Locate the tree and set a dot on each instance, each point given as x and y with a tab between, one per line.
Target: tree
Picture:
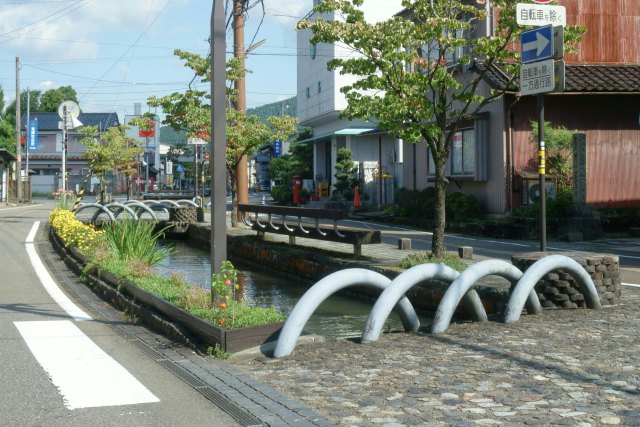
559	149
7	136
111	151
410	73
191	112
346	173
34	105
51	99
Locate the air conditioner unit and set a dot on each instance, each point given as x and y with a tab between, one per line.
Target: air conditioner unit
533	190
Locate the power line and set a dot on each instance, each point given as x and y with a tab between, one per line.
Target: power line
78	4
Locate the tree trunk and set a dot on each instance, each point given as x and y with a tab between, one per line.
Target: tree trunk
437	240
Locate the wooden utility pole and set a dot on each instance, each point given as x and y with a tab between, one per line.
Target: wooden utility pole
242	182
18	147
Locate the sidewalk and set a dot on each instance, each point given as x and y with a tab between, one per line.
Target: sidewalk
564	367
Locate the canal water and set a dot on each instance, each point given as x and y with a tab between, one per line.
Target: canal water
337	318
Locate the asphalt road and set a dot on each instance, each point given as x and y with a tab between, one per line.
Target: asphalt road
627	250
58	370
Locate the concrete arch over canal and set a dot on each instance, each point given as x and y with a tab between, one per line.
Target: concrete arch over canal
537	270
401	284
326	287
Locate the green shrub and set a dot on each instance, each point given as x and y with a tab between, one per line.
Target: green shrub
450	260
282	194
410	203
461	207
555	208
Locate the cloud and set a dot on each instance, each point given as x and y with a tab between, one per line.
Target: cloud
50	29
287	11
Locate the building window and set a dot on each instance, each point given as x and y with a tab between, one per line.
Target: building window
319	87
469	154
308	92
312	50
463	153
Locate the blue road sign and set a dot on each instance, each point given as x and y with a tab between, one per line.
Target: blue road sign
277	148
536	44
33	134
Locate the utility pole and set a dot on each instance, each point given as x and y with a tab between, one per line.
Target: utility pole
27	133
18	147
218	139
242	182
64	152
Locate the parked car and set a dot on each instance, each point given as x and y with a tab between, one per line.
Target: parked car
265	185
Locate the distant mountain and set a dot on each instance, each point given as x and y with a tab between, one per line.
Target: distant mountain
286	106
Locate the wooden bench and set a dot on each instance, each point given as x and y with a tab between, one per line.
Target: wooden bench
290	223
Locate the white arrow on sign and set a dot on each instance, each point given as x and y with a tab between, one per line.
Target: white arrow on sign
539	44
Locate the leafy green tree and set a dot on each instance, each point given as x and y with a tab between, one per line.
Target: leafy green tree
51	99
2	112
191	112
34	105
410	75
111	150
7	136
558	142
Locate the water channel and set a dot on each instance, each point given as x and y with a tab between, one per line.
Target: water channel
338	317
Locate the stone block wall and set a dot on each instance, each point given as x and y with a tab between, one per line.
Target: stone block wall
557	289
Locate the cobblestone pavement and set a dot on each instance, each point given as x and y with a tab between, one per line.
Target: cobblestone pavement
569	367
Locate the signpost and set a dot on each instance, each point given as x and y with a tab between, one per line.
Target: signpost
539	74
540	14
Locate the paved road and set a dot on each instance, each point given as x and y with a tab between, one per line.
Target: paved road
70	359
628	250
61	370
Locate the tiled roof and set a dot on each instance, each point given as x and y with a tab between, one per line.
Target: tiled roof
590	78
49	121
602	78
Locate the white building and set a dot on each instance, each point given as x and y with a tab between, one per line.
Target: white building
320	102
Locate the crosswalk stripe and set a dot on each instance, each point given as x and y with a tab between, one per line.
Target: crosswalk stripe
85	375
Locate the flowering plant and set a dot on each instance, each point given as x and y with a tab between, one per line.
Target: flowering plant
64	198
224	286
75	233
60	193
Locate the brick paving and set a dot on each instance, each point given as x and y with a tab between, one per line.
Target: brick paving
564	367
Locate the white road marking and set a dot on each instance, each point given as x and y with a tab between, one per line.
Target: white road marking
47	281
631	285
86	376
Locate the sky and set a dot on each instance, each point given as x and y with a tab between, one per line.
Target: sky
115	53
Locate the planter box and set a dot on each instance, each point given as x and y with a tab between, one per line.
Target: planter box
231	341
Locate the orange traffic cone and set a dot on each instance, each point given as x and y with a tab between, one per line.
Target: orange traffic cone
356	198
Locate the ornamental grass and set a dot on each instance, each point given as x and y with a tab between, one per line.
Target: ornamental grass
124	249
